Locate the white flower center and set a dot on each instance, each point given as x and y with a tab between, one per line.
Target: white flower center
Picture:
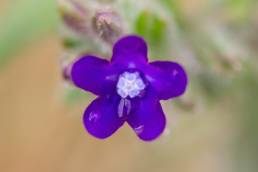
130	84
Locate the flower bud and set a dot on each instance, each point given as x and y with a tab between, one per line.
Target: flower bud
108	25
74	15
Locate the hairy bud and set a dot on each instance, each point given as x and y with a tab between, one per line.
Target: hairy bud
74	15
108	25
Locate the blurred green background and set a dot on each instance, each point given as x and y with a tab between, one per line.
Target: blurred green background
213	127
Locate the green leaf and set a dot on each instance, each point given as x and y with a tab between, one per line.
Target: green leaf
241	10
152	28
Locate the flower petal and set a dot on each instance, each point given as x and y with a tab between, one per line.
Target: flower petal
130	50
101	118
168	79
93	74
147	117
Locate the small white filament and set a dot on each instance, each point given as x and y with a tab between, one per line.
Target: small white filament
124	103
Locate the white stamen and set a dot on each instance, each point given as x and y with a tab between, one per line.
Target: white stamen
130	84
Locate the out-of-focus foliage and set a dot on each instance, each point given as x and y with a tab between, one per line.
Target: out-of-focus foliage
23	21
245	97
153	28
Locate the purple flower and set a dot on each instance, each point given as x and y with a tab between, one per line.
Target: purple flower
129	89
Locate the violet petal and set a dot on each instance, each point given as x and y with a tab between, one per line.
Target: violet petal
93	74
130	50
168	79
101	119
147	118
